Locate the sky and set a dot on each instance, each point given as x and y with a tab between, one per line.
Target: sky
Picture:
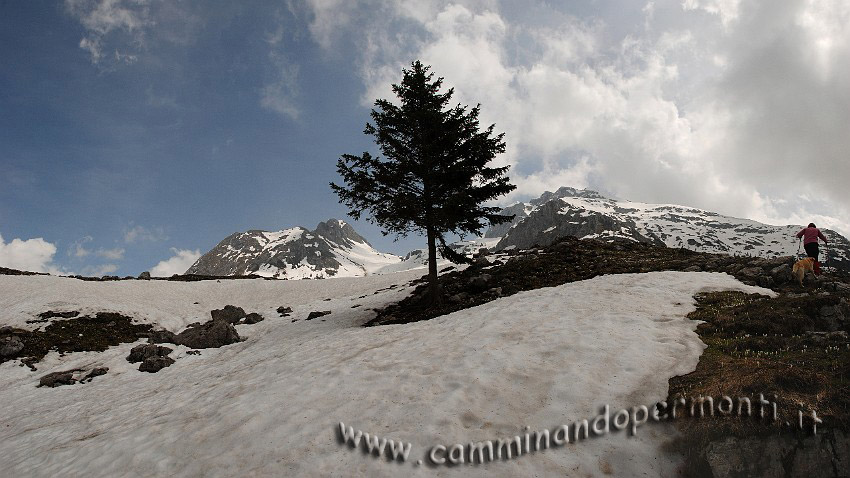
137	134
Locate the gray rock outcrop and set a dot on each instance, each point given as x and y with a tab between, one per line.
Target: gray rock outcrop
211	334
10	346
142	352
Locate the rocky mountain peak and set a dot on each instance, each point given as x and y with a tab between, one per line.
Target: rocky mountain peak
333	249
339	232
565	192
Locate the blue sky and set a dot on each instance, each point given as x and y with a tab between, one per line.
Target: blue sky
140	131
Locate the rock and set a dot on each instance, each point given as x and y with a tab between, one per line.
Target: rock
317	314
64	315
776	455
483	252
781	273
6	329
145	275
10	346
155	364
230	314
833	315
764	281
693	268
284	311
828	311
481	261
95	372
253	318
833	286
141	352
459	298
56	379
751	272
212	334
480	282
497	291
162	337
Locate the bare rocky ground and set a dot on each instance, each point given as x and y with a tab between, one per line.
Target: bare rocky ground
571	259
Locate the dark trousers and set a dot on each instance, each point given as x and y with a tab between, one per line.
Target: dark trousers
812	249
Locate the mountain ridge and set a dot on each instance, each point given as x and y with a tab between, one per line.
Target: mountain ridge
332	249
335	249
587	214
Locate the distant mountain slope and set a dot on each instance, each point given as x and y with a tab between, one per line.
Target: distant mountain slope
587	214
333	249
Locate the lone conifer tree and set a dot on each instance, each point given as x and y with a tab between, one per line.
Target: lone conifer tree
434	178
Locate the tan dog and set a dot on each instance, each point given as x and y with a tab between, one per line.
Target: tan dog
801	267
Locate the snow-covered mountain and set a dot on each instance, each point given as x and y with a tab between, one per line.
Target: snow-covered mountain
587	214
333	249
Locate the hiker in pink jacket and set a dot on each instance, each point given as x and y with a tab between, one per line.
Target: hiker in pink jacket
810	237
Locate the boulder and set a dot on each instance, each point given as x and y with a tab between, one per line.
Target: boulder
253	318
145	275
284	311
765	281
481	261
56	379
10	346
212	334
317	314
230	314
142	352
751	272
162	337
155	364
95	372
781	273
776	455
480	282
834	315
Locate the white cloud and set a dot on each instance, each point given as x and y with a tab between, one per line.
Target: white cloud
280	94
731	106
113	254
140	233
177	264
77	249
727	10
103	17
99	270
34	255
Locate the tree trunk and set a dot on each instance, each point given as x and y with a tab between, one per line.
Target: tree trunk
433	285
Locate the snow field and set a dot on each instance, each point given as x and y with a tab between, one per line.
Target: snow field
271	405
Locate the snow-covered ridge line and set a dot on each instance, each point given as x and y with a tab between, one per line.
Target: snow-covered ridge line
333	249
587	214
